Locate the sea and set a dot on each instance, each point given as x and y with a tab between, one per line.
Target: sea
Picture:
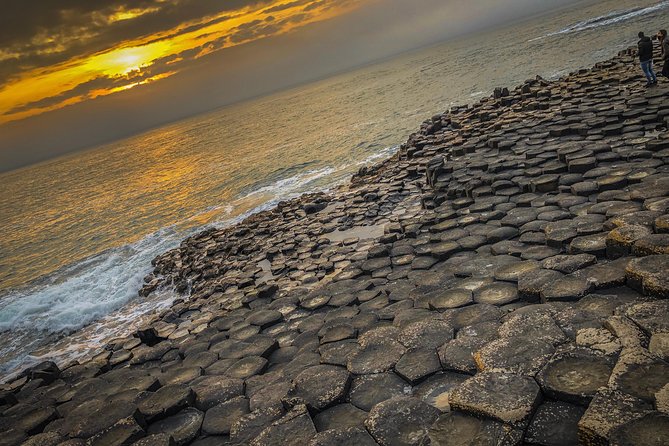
77	233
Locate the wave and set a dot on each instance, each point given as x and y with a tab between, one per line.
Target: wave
606	20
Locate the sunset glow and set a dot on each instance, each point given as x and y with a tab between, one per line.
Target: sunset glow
149	58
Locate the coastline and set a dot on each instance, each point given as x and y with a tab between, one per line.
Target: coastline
506	243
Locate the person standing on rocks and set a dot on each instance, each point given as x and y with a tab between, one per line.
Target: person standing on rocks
664	44
646	58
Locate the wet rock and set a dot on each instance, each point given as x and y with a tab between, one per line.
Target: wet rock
472	314
319	387
523	356
567	288
376	358
436	389
416	365
425	334
341	416
532	282
125	431
249	426
166	401
496	294
247	367
651	430
182	427
343	437
555	424
47	371
462	429
575	377
401	421
650	316
213	390
338	353
568	264
219	419
648	274
370	390
619	241
447	299
608	411
458	354
295	428
505	397
44	439
264	318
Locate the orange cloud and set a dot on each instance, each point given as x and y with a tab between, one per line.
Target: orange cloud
134	63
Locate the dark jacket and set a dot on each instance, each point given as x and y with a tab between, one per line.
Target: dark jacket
645	49
665	48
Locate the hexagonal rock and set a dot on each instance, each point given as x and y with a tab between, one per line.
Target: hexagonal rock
512	271
369	390
447	299
247	367
219	419
183	427
576	376
472	314
429	333
293	429
416	365
649	275
609	410
436	389
652	317
649	430
505	397
496	294
619	242
151	440
213	390
319	387
523	356
401	421
343	437
462	429
458	354
341	416
338	353
532	325
531	283
166	401
555	423
568	264
376	358
605	275
251	425
44	439
264	318
124	431
653	244
594	244
567	288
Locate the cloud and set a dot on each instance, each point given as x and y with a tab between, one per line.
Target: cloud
41	33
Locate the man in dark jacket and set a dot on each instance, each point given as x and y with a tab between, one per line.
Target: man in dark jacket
646	58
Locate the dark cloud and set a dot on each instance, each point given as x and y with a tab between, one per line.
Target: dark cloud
285	6
45	32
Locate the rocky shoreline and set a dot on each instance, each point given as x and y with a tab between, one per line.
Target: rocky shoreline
501	280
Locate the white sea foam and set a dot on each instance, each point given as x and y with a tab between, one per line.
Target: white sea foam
607	19
286	186
96	299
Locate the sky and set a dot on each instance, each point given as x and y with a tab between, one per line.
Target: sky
77	73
